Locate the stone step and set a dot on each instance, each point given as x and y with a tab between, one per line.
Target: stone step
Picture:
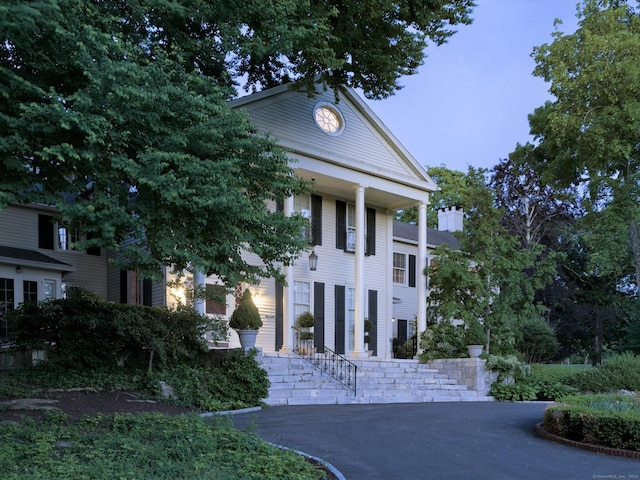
294	381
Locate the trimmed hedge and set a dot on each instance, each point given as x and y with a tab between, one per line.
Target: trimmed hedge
606	420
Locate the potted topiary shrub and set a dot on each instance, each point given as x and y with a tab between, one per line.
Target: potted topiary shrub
476	338
246	321
306	321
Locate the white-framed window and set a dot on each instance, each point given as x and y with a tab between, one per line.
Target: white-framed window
29	291
301	298
48	289
68	238
302	206
351	227
351	317
399	268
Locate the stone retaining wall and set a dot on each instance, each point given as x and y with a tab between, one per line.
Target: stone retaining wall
467	371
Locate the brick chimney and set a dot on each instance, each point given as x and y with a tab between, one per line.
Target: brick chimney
450	219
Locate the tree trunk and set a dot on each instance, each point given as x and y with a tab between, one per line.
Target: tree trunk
634	235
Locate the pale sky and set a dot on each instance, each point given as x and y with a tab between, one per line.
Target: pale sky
469	103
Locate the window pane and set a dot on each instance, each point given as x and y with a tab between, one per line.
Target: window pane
216	301
399	268
49	290
30	291
301	298
67	238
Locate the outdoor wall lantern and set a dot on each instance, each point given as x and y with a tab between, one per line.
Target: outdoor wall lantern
313	261
18	269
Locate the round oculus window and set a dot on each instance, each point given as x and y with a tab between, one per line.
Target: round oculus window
328	119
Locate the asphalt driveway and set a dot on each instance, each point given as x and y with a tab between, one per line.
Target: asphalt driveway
486	440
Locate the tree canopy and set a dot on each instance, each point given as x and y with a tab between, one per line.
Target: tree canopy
115	113
588	135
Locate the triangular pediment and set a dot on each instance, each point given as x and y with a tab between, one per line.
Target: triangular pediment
365	144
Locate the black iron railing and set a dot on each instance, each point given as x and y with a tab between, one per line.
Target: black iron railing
325	359
405	348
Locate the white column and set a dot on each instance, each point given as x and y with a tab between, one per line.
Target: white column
421	263
358	347
287	295
388	319
198	288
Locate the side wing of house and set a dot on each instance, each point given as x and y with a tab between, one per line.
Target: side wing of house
405	275
361	175
38	260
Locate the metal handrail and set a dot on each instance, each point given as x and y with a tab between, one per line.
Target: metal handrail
326	360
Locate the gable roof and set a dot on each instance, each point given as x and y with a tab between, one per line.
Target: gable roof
365	145
32	258
435	238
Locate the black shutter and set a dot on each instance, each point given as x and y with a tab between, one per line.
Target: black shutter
370	248
316	219
412	270
339	314
402	330
45	232
147	289
373	318
279	315
318	313
341	225
124	287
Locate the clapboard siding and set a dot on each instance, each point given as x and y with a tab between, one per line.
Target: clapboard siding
358	146
20	229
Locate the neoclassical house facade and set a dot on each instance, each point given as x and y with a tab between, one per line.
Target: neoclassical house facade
361	176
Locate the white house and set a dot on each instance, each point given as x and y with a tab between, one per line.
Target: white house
361	174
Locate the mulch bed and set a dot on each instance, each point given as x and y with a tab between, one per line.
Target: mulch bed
81	402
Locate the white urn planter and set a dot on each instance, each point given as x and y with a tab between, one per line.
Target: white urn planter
475	350
247	339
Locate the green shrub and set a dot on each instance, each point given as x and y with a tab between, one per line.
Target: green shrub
475	333
442	340
610	421
537	341
508	367
552	391
306	320
512	391
247	315
552	382
84	331
619	372
240	382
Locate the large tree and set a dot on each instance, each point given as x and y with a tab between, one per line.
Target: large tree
493	276
532	210
115	113
590	134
